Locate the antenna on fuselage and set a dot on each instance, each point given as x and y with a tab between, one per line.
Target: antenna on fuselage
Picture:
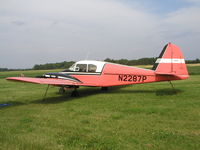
87	55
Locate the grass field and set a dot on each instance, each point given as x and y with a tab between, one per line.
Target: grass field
146	116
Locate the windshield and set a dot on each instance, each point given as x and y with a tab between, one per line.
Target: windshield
72	67
78	68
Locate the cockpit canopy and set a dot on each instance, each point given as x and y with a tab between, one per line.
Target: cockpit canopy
87	66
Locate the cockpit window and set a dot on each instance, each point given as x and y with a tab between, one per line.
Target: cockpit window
92	68
86	66
81	68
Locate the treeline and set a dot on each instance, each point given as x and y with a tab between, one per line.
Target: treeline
142	61
67	64
4	69
47	66
196	61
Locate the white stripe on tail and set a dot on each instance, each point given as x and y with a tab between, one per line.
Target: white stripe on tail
166	60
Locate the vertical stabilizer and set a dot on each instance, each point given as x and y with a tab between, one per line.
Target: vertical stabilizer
171	61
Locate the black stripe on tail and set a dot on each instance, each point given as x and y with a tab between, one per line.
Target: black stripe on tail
160	56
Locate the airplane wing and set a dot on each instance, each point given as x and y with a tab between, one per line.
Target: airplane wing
50	81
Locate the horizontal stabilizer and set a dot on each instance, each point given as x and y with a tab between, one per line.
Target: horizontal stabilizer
178	77
164	73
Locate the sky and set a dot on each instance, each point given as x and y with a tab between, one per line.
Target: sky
48	31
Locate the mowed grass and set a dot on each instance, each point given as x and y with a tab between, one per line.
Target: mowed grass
146	116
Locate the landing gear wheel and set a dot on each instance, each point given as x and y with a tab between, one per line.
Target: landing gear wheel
104	88
74	93
62	90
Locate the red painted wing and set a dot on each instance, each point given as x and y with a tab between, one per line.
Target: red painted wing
49	81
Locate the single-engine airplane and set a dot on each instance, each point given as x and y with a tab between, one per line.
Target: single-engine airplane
170	65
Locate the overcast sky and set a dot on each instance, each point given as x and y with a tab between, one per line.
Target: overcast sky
44	31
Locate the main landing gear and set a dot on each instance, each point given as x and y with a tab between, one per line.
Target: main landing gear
74	92
61	90
104	88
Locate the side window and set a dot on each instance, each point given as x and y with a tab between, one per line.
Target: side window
92	68
81	67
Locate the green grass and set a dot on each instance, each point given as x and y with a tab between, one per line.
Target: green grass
194	70
145	116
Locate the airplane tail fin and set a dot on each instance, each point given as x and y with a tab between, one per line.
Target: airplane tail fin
171	62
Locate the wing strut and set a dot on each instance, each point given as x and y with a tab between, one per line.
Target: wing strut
45	92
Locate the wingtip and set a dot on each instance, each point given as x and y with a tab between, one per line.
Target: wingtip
13	78
8	78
